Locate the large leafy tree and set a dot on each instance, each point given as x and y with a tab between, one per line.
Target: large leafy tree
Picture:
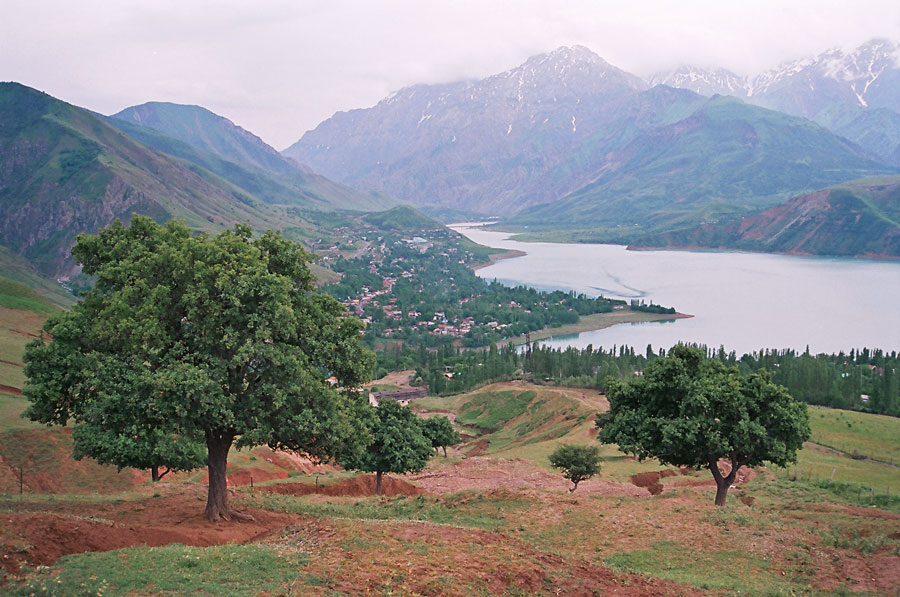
687	410
440	432
397	446
192	336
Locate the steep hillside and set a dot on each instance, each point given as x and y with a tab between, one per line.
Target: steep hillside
214	143
724	159
205	130
63	171
858	219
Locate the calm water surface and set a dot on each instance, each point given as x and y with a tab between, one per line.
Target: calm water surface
743	301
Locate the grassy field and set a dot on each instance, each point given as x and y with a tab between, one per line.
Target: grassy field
22	313
17	278
860	434
217	570
17	328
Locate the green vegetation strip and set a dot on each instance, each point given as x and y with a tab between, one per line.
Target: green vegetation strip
173	569
735	571
490	410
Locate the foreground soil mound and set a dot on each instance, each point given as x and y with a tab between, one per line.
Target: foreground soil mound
32	537
359	486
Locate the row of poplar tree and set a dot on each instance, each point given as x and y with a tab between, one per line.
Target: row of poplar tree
864	380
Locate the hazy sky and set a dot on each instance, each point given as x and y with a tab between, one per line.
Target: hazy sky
278	68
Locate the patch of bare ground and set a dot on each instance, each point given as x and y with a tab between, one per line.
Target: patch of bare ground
359	486
848	568
652	480
41	532
395	378
427	559
486	474
10	389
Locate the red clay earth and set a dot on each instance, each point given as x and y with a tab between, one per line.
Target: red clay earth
42	537
359	486
489	474
9	389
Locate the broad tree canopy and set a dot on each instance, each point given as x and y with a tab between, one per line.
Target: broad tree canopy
440	432
397	446
216	337
687	410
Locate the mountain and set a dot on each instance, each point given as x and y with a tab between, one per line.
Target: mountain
210	132
726	159
205	139
485	146
568	140
855	219
866	77
702	81
65	170
855	93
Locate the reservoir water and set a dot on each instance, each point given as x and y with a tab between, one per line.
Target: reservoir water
742	301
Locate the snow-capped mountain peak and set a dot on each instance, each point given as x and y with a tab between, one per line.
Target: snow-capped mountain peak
702	80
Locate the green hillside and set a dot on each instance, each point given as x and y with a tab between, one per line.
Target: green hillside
726	160
402	218
213	143
70	172
856	219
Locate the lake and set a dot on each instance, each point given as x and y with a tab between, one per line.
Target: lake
743	301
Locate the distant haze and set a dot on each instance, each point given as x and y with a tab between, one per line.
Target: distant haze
278	68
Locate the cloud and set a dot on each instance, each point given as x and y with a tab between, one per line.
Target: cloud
278	68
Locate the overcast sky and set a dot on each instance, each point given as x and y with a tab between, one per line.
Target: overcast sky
278	68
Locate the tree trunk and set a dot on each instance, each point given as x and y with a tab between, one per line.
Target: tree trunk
723	482
156	475
574	487
445	450
378	482
218	443
721	491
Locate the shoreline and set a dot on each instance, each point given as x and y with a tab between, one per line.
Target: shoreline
495	257
599	321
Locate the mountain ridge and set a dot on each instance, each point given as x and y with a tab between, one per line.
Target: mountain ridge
529	139
65	170
241	157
